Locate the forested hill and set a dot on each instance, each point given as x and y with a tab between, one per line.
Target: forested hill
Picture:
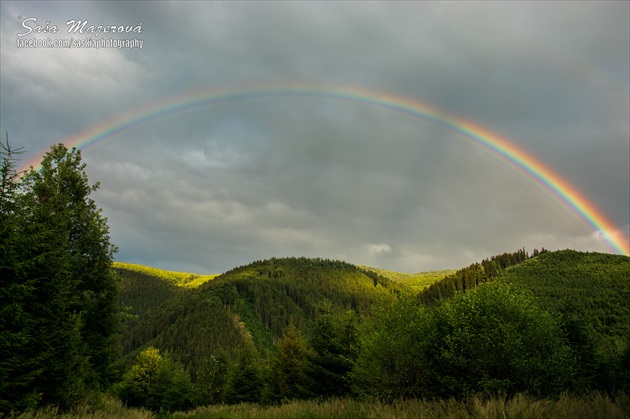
594	288
585	284
262	299
231	333
255	302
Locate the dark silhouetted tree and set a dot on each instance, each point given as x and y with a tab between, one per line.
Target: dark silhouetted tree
244	383
58	266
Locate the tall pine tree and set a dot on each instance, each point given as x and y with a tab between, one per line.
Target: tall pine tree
60	261
334	344
18	370
292	366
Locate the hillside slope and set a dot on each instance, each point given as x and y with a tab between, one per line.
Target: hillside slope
417	281
254	302
207	328
182	279
593	286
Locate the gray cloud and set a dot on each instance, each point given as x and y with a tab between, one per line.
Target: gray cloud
222	185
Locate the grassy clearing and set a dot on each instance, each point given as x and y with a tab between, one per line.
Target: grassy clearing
417	281
181	279
591	406
107	407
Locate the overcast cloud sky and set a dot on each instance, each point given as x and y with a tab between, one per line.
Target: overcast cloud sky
228	184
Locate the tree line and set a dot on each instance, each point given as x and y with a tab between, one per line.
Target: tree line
470	277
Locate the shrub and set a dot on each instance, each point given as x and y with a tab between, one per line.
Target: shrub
489	341
496	340
158	383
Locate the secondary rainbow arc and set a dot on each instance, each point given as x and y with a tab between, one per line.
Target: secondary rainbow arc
561	189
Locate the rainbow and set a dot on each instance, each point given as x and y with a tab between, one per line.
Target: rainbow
500	146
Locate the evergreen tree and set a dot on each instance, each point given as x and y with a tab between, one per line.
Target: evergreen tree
60	195
58	311
8	178
292	366
334	345
18	370
244	383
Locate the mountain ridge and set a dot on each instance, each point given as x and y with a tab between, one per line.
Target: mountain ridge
418	280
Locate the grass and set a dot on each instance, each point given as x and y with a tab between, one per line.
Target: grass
417	281
181	279
594	406
591	406
107	407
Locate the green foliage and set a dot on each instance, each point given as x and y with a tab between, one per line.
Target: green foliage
334	349
493	340
395	359
406	349
288	290
590	293
244	380
157	383
18	371
213	379
9	177
476	274
600	282
292	366
417	281
181	279
58	329
250	305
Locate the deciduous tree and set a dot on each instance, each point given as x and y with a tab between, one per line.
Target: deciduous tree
157	383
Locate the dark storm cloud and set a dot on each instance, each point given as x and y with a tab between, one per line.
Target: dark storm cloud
226	184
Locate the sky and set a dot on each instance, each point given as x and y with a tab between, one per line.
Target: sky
218	186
